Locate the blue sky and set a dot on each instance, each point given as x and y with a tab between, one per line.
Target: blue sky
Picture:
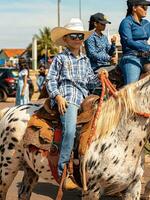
21	19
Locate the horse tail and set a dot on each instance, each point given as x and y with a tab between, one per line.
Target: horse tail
3	111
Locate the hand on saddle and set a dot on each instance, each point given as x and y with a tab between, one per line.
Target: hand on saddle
62	104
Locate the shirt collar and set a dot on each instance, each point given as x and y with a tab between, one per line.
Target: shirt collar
68	52
132	18
96	34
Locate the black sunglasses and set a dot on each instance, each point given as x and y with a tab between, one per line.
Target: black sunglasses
74	36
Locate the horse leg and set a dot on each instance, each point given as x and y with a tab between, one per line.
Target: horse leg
29	180
94	195
9	166
134	191
146	194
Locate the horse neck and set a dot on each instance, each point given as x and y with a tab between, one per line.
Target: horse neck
129	136
131	102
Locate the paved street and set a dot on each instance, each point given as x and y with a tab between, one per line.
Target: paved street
48	191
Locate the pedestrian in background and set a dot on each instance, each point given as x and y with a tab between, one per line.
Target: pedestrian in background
134	33
41	77
22	93
97	46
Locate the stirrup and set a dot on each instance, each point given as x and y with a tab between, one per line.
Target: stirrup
70	183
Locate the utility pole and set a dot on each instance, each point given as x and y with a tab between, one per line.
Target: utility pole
34	52
80	9
58	11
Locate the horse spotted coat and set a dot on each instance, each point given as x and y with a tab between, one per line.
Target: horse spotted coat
112	161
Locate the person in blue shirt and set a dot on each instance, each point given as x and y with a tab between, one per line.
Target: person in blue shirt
134	33
98	49
41	77
67	83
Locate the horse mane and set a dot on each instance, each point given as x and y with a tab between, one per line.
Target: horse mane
115	107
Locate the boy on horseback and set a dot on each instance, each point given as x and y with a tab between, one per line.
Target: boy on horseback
68	79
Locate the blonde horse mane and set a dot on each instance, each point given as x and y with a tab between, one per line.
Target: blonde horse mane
116	107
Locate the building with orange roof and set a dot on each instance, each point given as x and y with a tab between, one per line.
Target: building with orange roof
10	56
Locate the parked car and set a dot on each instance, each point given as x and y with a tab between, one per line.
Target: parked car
8	83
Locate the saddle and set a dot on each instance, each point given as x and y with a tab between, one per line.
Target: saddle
44	127
44	135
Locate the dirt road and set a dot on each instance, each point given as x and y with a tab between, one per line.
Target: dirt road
42	191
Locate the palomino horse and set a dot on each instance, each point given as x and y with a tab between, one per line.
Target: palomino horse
112	163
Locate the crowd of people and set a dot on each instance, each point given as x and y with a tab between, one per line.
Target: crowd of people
72	71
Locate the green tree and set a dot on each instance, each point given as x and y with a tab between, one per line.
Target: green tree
45	46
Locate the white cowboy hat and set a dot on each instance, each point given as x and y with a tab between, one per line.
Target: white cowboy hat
74	26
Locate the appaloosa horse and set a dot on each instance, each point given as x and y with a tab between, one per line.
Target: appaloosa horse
111	164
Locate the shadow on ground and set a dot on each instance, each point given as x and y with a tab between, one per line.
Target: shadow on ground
50	190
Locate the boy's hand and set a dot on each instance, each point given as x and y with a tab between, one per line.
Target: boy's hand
62	104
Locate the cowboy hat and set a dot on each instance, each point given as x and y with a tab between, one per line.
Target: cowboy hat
74	26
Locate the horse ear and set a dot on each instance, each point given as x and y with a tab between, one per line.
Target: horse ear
43	93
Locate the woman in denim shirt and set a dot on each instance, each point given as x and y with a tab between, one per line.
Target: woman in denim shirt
97	46
134	33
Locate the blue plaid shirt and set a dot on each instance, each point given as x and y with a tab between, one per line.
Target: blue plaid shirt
98	50
70	77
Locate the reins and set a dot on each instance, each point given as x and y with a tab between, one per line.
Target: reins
107	87
143	114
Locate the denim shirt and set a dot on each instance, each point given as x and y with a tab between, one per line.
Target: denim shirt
134	36
70	77
99	50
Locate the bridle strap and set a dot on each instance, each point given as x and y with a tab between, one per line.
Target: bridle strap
143	114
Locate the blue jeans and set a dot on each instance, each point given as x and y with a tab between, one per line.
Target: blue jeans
131	67
68	120
40	81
